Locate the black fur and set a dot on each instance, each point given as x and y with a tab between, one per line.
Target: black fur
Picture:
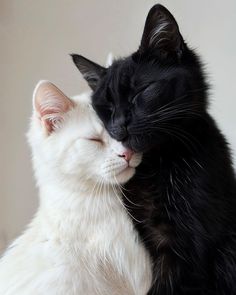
183	196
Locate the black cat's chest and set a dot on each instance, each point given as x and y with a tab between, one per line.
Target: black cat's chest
164	216
148	201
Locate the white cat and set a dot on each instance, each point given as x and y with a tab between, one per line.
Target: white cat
81	240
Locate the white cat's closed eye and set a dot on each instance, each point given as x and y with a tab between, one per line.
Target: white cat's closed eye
96	139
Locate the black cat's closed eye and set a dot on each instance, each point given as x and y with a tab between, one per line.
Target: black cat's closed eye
143	89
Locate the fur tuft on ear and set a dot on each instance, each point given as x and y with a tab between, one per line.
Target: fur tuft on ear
50	104
91	71
161	32
109	60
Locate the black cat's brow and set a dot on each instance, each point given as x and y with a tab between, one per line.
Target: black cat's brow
141	89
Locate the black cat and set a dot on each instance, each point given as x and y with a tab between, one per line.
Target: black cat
183	197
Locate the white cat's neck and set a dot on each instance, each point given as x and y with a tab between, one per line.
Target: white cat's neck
61	197
66	211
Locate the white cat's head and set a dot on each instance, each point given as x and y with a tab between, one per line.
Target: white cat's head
69	141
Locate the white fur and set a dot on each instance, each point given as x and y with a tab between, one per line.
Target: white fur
81	240
159	34
109	60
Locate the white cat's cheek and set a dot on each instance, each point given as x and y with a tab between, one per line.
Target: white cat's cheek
105	170
111	170
108	170
70	161
69	166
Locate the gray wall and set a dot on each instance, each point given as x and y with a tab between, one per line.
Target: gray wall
36	38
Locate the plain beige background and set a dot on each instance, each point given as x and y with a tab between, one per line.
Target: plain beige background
35	40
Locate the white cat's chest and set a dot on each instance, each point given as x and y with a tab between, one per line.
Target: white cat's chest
90	247
104	249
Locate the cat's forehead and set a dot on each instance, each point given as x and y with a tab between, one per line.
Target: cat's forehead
128	75
87	116
121	71
96	123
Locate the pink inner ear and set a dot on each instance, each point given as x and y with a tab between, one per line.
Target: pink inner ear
51	104
51	123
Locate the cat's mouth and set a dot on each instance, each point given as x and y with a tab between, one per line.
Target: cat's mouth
123	169
128	170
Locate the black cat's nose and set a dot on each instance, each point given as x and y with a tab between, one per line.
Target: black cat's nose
120	133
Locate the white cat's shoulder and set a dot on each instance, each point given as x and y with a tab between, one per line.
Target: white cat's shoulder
35	265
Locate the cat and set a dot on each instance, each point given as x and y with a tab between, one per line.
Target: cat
81	240
183	195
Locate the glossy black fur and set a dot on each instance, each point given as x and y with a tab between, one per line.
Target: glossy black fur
183	196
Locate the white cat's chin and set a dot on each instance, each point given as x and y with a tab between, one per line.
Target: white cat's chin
125	175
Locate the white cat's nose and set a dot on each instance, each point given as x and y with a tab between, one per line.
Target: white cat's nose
127	154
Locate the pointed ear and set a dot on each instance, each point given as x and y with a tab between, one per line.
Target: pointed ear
91	71
161	32
50	104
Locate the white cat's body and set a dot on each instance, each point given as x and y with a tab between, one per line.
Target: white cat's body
81	240
74	253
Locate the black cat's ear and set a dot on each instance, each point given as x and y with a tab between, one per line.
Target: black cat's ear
91	71
161	32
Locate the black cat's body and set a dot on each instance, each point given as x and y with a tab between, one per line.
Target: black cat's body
185	214
183	196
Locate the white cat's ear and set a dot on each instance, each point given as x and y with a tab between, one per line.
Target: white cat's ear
50	104
109	60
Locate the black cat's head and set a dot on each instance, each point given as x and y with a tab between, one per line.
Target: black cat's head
152	95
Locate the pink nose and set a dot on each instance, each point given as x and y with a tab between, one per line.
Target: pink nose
127	155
